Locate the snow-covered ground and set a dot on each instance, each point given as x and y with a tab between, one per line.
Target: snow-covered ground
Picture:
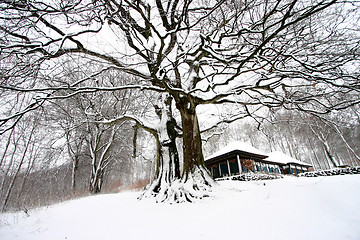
289	208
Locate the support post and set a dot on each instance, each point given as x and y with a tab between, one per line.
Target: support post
219	170
228	165
239	164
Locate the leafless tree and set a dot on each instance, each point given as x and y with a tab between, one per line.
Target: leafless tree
298	55
323	141
18	158
86	137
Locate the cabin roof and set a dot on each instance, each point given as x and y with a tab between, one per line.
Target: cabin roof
281	158
238	147
246	150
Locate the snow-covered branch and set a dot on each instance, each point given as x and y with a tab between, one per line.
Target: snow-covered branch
143	123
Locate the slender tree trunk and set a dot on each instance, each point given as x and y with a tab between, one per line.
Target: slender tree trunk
327	162
5	149
75	164
100	159
349	148
12	183
318	161
96	181
31	161
327	151
330	155
74	153
311	158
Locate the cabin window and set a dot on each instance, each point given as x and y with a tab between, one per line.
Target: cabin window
224	169
234	167
216	172
243	168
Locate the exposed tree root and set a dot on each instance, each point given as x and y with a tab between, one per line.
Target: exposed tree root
194	186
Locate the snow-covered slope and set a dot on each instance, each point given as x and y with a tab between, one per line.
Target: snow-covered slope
289	208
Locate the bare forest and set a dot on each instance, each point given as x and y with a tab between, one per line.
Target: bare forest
106	95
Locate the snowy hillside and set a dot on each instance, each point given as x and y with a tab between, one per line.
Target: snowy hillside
289	208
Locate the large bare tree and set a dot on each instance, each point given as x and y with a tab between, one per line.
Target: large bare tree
296	54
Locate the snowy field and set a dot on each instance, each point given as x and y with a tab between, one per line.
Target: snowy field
289	208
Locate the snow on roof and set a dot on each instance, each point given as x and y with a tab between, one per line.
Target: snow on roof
240	146
275	157
279	157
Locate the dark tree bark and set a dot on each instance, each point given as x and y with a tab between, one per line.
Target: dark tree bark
193	155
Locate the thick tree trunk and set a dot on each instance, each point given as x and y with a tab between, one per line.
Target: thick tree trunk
168	167
196	179
195	182
167	173
193	156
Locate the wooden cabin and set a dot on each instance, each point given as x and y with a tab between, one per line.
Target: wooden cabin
239	157
289	165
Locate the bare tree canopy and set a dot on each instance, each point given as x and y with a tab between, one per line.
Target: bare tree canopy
294	54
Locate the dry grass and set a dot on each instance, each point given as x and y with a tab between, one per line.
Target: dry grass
138	185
